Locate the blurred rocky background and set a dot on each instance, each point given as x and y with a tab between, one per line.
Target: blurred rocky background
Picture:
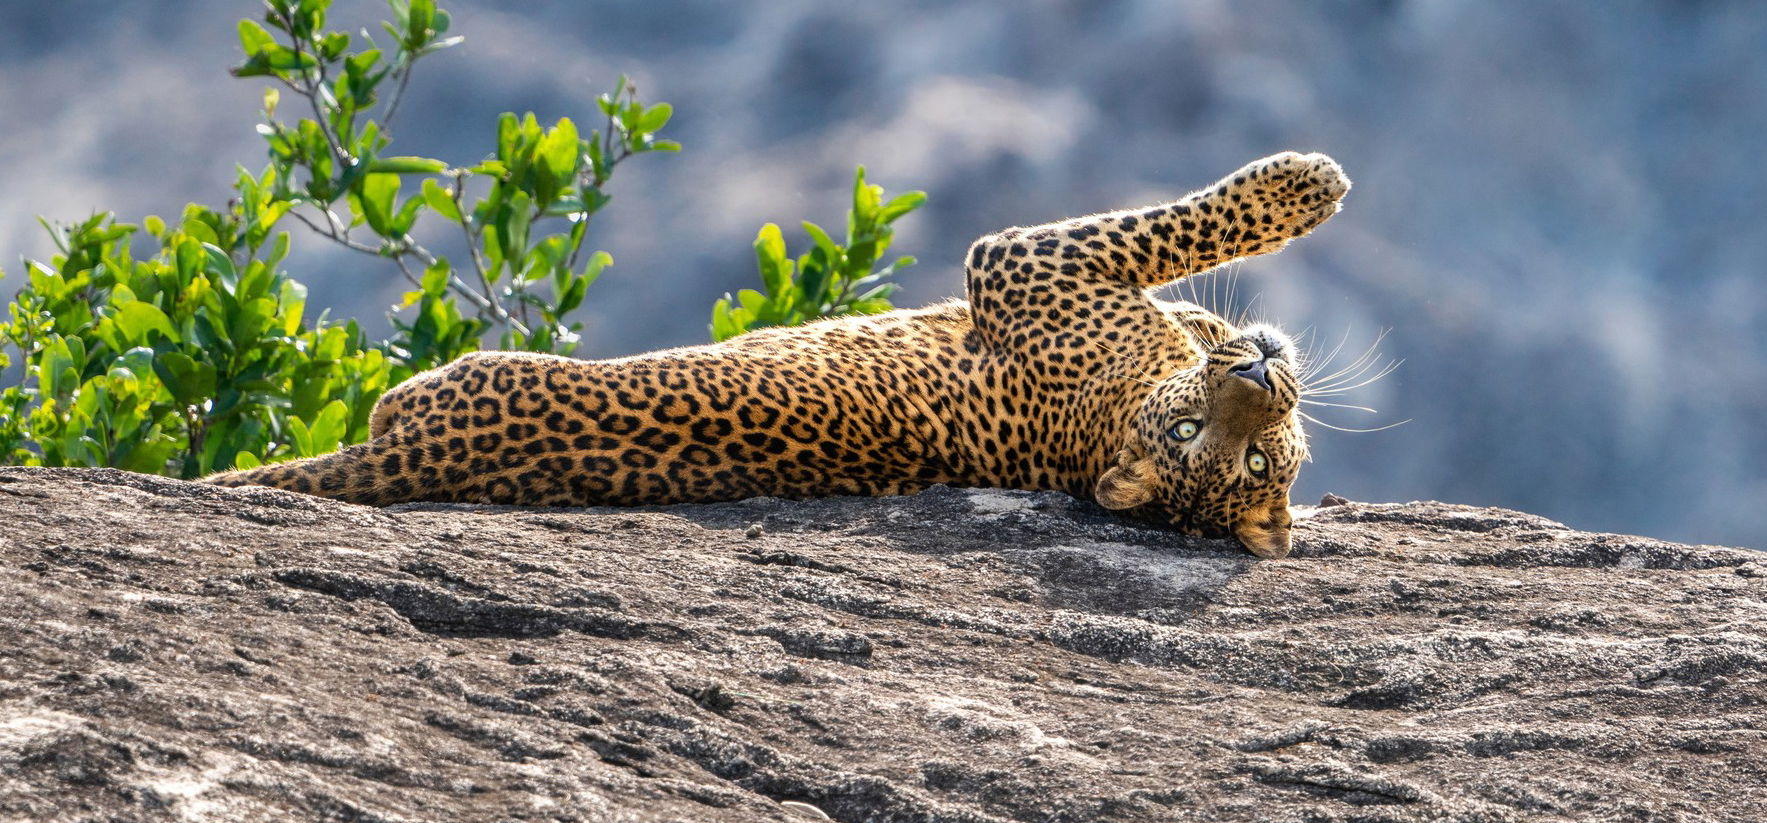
1557	207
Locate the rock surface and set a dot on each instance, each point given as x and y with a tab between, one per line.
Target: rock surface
173	651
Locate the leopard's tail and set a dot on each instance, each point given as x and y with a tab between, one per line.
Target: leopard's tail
367	473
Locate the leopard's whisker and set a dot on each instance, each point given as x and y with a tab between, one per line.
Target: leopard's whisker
1233	270
1363	361
1326	361
1346	388
1317	421
1349	376
1329	359
1253	314
1235	267
1304	340
1354	381
1312	402
1214	287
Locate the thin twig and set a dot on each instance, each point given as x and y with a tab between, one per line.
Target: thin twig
399	260
332	235
404	71
311	92
498	313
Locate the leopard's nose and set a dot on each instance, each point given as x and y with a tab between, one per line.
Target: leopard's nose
1257	371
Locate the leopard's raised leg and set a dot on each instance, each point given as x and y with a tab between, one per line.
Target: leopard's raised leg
1014	274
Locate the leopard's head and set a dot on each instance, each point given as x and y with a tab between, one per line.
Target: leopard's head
1215	448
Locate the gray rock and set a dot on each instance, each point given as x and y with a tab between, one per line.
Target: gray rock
174	651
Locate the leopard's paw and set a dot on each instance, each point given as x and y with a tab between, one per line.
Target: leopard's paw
1283	196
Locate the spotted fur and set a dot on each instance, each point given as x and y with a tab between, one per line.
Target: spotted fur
1059	372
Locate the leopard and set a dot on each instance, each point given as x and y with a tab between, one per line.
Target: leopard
1061	369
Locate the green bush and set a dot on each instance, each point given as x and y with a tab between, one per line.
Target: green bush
525	235
194	352
828	280
198	356
181	361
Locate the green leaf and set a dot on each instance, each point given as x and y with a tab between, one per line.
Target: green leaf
860	256
440	201
752	300
724	326
494	256
423	13
770	243
406	217
278	248
882	292
255	282
508	131
572	296
378	193
770	258
293	302
189	380
302	437
406	165
255	66
282	58
597	263
654	118
562	150
138	320
252	319
813	284
246	460
211	336
334	44
901	204
545	183
515	229
253	38
830	249
149	456
435	278
219	264
864	197
494	168
871	306
329	427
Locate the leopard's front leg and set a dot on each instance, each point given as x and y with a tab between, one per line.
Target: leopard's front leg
1017	277
1255	210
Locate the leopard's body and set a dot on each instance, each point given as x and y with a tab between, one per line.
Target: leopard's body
1060	372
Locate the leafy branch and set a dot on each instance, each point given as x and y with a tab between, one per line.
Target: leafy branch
525	237
828	280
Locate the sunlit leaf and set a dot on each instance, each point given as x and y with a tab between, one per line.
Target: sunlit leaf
406	165
378	193
253	39
440	201
654	118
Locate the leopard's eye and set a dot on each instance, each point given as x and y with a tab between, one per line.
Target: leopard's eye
1258	463
1185	430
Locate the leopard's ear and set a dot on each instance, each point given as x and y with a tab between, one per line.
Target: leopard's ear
1128	484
